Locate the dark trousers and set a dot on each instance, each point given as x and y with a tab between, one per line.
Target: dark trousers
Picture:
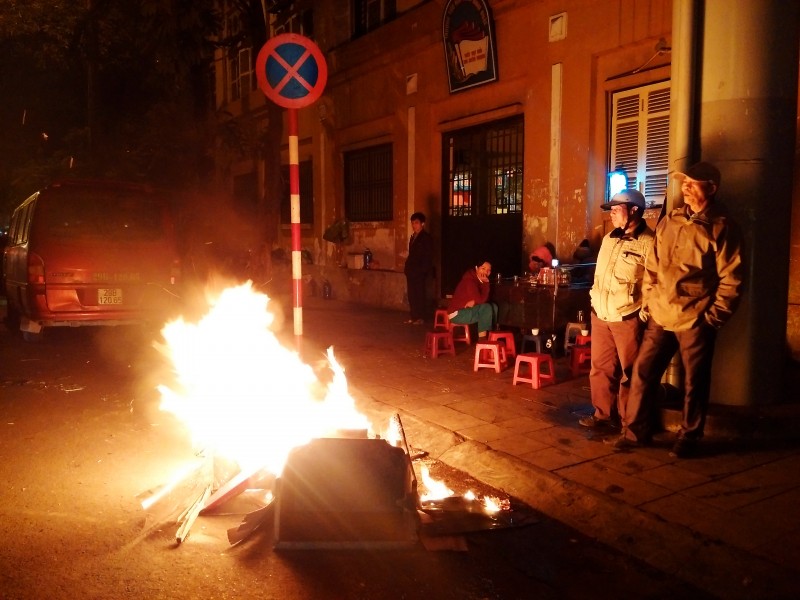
416	286
614	349
696	347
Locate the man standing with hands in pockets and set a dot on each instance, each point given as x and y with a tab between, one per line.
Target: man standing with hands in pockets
692	283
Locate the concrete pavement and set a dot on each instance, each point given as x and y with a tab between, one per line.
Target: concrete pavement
727	521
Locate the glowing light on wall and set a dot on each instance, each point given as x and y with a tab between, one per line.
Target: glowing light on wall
617	181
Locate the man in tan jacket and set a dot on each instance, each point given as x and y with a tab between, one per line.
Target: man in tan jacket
692	282
616	296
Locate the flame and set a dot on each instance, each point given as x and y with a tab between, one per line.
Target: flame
436	489
242	394
491	505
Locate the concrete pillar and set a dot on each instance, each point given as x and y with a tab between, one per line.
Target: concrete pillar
746	126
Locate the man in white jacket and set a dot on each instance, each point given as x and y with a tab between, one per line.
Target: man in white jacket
616	299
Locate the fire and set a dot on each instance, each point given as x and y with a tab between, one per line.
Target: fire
242	394
436	488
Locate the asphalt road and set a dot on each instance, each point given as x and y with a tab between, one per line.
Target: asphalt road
81	435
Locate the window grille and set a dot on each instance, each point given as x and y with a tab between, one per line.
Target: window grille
485	169
368	185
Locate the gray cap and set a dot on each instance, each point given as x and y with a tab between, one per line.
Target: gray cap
626	197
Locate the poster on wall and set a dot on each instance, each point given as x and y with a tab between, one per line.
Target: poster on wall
469	51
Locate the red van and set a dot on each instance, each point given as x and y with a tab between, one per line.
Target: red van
90	253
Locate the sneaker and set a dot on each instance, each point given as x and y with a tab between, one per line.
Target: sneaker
683	448
593	422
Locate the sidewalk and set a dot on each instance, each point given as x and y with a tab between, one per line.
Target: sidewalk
727	521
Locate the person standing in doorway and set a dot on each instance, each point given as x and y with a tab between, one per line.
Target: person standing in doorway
692	286
418	268
616	296
470	304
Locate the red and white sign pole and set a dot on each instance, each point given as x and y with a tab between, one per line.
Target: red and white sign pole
292	72
297	263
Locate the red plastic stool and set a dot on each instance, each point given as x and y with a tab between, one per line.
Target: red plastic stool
461	332
580	361
441	321
439	342
507	338
583	340
535	361
491	355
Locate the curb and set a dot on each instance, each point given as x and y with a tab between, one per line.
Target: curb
708	564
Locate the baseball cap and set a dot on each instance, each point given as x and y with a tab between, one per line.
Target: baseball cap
626	197
702	171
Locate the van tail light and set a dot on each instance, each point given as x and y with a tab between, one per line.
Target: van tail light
175	272
35	268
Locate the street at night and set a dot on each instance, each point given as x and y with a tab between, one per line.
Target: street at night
399	299
83	437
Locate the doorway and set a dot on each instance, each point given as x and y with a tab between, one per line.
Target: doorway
482	199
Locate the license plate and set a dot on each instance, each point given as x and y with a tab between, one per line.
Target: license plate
109	296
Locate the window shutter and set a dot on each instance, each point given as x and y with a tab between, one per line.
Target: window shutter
640	139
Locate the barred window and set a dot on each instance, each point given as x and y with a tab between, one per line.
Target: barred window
368	184
306	194
485	169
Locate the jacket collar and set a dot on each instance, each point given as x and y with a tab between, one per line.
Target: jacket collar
620	233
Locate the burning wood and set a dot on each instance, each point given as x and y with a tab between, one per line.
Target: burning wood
251	522
190	515
233	487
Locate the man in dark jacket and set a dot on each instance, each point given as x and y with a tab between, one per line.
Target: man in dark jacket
419	266
692	282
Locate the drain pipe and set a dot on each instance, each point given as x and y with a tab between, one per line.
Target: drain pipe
686	48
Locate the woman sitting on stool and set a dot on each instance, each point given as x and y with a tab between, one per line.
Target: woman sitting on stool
469	302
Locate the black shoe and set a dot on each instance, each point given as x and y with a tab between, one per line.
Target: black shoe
683	448
593	422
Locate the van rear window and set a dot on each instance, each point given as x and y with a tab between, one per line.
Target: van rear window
103	215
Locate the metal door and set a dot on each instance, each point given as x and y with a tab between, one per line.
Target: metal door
482	200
